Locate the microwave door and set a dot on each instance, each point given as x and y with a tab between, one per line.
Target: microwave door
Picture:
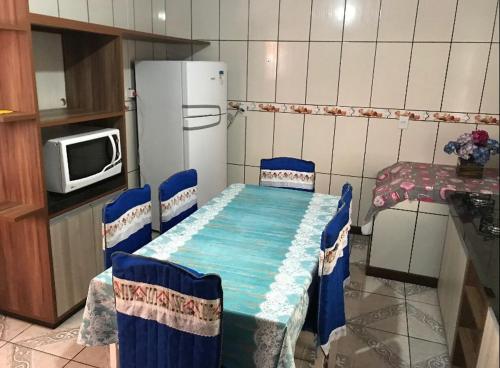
114	159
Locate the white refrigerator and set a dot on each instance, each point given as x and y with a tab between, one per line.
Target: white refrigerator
182	124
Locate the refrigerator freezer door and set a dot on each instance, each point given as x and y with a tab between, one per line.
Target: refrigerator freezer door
160	126
205	149
204	88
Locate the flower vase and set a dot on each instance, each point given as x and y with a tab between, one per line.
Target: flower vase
469	169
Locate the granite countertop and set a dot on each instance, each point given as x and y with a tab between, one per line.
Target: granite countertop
483	250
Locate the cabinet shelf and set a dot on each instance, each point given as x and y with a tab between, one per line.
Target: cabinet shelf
13	211
55	117
17	116
13	27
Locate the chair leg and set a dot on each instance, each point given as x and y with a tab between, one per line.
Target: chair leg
114	357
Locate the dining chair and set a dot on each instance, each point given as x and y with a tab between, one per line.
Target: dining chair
178	198
168	315
287	172
346	200
126	222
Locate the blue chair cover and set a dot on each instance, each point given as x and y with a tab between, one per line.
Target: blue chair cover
331	312
168	316
127	222
287	172
177	198
346	199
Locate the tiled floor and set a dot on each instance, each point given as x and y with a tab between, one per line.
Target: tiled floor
390	324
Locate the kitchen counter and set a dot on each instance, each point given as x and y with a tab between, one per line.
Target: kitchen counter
482	247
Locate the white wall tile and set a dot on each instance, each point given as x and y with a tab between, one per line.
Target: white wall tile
159	17
427	74
178	18
397	20
234	19
206	53
262	70
382	145
259	144
475	20
435	20
45	7
235	174
494	133
128	50
489	103
131	128
496	31
366	198
361	19
391	71
144	50
288	130
327	20
123	13
236	141
356	74
449	132
252	175
348	152
263	23
179	52
322	183
101	12
417	141
294	20
234	53
465	77
143	19
292	71
206	19
159	51
74	9
318	141
336	189
323	73
49	70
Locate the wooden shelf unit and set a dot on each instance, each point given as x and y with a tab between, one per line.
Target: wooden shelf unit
13	212
17	116
57	117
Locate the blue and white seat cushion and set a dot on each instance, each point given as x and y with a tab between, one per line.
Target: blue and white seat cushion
287	172
127	222
331	308
178	198
168	315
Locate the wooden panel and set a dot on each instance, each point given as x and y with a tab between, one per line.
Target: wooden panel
73	256
451	280
14	12
56	117
488	353
25	269
13	212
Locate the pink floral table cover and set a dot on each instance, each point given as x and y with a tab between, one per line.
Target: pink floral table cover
424	182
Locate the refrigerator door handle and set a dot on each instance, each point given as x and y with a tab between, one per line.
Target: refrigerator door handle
204	126
202	107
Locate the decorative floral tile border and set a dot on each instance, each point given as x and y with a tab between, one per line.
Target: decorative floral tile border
368	112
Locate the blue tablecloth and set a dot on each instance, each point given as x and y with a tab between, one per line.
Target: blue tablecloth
264	243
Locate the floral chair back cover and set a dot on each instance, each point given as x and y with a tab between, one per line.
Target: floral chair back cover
287	172
168	316
346	200
126	222
178	198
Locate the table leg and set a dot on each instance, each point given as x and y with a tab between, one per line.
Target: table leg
114	358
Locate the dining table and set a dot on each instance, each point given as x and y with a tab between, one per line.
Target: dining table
264	243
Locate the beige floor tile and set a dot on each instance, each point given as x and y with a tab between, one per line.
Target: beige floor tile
424	322
60	341
359	281
11	327
97	356
422	294
376	311
2	343
367	348
14	356
73	364
428	354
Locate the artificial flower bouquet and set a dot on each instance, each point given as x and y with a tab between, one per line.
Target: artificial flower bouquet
474	151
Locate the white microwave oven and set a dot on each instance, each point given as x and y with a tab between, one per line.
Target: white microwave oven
76	161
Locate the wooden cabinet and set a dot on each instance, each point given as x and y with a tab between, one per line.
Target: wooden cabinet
488	353
73	257
451	280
